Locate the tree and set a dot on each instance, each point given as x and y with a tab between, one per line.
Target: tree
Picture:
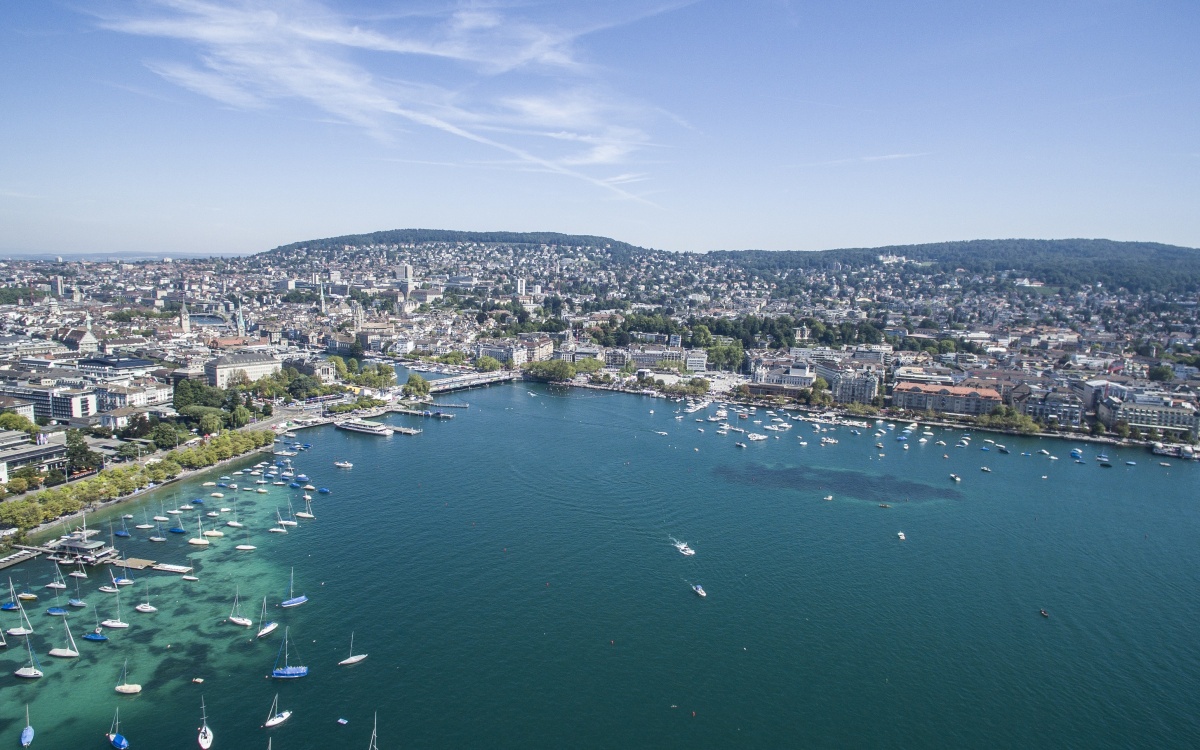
1121	429
79	456
553	369
1161	373
240	416
13	421
211	424
487	364
701	337
416	387
164	436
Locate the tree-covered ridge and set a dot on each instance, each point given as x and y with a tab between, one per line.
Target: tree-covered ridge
421	236
1137	266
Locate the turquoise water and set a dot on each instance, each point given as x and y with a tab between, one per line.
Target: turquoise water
511	575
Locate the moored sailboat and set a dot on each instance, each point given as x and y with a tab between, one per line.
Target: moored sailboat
275	717
71	651
264	627
125	687
27	732
286	671
353	658
200	540
205	736
118	622
115	738
235	615
292	600
29	671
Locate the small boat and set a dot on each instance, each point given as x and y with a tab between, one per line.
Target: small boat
205	737
323	490
286	671
292	600
209	484
59	582
884	505
275	717
146	606
307	512
740	444
901	536
97	634
956	477
115	738
125	687
22	630
71	651
30	671
235	615
684	549
118	622
77	600
27	732
1163	463
828	498
343	464
177	529
353	658
699	590
984	468
200	540
158	535
1044	613
218	494
265	628
261	490
1131	463
190	578
81	573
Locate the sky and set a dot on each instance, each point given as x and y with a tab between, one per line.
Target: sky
206	126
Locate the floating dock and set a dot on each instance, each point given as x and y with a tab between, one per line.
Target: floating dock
18	557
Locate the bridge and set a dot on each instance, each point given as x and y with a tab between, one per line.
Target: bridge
470	380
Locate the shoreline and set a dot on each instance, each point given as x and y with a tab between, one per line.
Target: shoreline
185	474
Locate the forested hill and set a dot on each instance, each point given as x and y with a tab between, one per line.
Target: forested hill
1137	266
430	236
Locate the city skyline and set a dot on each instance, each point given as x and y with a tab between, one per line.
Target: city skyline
184	127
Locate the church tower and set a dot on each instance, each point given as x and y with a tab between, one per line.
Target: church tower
185	320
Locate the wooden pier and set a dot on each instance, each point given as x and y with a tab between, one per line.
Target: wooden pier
18	557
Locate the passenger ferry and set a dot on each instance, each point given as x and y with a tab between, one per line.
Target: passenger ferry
362	425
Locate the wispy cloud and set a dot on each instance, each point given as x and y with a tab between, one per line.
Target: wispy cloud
486	75
865	159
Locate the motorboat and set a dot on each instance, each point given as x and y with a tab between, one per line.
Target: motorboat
699	590
684	549
900	535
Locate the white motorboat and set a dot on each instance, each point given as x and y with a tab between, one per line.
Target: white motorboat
684	549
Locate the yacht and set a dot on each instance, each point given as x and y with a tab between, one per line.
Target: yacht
343	464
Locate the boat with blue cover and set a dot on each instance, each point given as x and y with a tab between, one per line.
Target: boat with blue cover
286	671
292	600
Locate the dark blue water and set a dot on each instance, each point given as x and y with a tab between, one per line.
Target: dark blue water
511	574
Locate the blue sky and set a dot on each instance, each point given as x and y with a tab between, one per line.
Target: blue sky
205	126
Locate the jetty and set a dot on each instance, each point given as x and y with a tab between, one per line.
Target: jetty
427	414
18	557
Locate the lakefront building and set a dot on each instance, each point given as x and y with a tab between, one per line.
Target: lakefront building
223	370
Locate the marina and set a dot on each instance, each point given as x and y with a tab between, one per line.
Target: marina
799	570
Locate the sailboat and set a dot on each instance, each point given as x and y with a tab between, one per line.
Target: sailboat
29	671
353	658
276	717
286	671
285	521
71	651
146	606
110	589
115	738
27	732
235	523
98	633
199	540
206	736
78	600
292	600
157	536
124	532
245	546
279	528
59	583
162	514
307	512
265	627
56	610
235	616
27	628
145	524
124	579
374	729
125	687
117	623
81	573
